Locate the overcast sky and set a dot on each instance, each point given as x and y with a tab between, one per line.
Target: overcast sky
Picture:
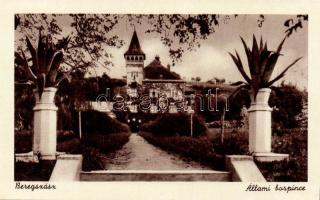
212	59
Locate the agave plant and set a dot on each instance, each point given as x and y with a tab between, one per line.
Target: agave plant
261	63
46	60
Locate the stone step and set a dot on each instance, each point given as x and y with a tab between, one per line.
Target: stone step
151	175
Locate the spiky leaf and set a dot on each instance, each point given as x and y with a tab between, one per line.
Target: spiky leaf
26	67
34	56
58	58
41	80
240	66
269	67
41	55
238	83
255	57
283	72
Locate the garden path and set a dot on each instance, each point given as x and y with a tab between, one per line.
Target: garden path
138	154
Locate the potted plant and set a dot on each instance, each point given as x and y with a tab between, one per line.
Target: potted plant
261	64
43	72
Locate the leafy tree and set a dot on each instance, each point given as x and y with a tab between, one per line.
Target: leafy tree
92	34
288	103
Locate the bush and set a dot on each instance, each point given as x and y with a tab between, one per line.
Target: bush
23	141
199	149
63	135
294	142
227	124
95	144
91	159
33	171
289	101
67	141
106	143
235	143
175	125
71	146
95	122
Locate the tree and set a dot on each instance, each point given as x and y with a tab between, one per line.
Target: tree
92	34
89	36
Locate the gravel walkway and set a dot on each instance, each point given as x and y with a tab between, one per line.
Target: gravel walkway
138	154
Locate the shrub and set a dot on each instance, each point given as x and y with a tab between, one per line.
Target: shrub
67	141
23	141
227	124
91	159
106	143
175	124
95	144
33	171
71	146
289	101
294	142
199	149
95	122
63	135
235	143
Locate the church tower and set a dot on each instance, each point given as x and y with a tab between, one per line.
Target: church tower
135	58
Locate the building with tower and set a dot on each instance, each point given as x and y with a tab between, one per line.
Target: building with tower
135	58
154	80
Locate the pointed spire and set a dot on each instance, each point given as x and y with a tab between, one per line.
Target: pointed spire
134	47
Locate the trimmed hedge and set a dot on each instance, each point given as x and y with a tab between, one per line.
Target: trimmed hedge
199	149
94	145
106	143
71	146
91	159
94	122
175	125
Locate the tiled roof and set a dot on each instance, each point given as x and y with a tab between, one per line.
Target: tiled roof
155	70
134	47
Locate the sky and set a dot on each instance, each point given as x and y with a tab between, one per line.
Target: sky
212	58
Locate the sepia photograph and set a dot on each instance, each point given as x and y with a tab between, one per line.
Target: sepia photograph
161	97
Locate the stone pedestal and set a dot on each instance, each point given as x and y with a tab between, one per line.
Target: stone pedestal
45	125
260	123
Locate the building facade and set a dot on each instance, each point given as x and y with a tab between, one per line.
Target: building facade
162	88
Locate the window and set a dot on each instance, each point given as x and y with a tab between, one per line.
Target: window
134	74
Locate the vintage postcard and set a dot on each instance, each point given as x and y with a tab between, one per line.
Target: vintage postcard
107	98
